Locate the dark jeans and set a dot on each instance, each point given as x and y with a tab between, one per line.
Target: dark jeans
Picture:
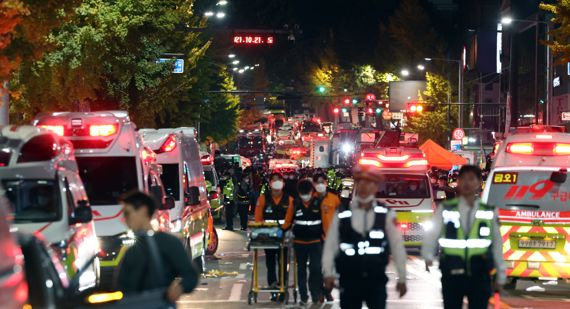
230	212
243	208
354	292
272	263
309	253
456	287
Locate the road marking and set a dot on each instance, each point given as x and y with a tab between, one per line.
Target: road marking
199	301
200	289
235	293
243	266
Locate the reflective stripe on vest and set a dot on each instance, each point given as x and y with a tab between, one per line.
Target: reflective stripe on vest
275	221
464	243
363	248
308	222
344	214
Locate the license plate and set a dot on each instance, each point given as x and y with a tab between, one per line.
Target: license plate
537	243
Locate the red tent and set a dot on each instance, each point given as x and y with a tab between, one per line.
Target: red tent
439	157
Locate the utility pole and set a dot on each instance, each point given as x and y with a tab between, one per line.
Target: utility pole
5	107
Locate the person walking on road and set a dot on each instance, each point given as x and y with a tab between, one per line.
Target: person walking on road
329	204
308	231
243	199
467	232
135	274
359	243
275	206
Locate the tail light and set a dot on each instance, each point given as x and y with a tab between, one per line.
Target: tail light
365	161
214	195
403	226
103	130
148	156
411	163
520	148
59	130
206	160
394	158
562	149
168	145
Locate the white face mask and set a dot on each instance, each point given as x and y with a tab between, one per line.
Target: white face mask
305	197
321	187
364	200
277	185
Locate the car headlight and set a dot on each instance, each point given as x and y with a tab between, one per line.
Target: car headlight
427	225
347	147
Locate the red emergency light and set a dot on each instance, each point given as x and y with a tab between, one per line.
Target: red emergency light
206	160
59	130
214	195
539	149
336	110
168	145
148	156
103	130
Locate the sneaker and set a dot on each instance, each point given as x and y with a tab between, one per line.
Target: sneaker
228	228
329	297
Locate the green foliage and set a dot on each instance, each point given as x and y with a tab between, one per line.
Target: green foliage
437	123
560	43
106	56
219	118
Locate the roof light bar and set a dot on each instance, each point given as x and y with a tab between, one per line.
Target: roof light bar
59	130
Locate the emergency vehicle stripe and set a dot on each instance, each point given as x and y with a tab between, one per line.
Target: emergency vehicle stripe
551	230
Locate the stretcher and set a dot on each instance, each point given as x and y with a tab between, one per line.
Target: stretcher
269	235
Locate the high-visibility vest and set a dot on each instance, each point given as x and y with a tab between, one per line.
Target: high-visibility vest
308	220
463	253
229	190
275	212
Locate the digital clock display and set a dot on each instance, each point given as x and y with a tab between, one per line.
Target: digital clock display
245	39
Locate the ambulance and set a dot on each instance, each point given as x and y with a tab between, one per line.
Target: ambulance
112	160
212	185
406	189
178	153
528	183
40	178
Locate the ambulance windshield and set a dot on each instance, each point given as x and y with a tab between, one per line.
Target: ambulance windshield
404	186
106	178
527	190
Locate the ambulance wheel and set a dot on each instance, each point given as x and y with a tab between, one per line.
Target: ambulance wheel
213	242
511	284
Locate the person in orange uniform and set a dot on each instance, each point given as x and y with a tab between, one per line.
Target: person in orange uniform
308	231
275	206
329	204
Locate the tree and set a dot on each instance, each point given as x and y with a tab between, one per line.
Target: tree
560	43
107	53
11	14
220	116
439	119
411	36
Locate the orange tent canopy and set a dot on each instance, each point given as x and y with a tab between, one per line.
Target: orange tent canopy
439	157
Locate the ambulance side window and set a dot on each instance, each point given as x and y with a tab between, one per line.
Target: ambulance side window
39	148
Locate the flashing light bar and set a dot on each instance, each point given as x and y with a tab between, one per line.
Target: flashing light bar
411	163
520	148
102	130
365	161
561	149
544	136
539	149
169	144
394	159
59	130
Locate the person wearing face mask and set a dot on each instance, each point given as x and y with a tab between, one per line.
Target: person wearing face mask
329	204
275	206
307	229
359	243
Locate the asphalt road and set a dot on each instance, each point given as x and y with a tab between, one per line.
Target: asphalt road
232	267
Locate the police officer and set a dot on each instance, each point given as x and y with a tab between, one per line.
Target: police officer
275	205
229	206
359	243
308	231
467	232
329	203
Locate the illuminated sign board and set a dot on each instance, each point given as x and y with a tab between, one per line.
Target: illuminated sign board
247	39
178	64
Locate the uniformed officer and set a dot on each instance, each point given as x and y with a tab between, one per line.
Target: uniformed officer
359	243
308	231
467	232
275	206
329	204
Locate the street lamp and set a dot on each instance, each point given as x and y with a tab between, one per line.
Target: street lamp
220	15
209	14
240	71
234	69
405	72
421	67
507	20
235	62
222	2
231	56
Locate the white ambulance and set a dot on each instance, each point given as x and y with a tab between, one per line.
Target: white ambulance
528	183
406	188
112	160
178	153
40	177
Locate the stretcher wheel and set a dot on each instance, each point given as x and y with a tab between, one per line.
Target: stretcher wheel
295	296
286	300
